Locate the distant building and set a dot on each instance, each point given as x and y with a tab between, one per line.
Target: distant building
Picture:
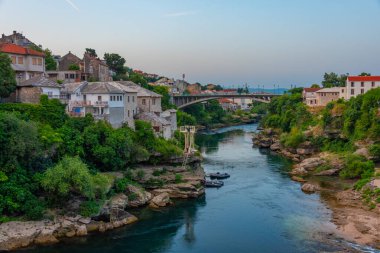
27	63
107	101
228	104
309	96
327	95
160	125
95	69
17	39
30	91
357	85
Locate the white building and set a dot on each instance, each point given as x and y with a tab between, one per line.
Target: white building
104	100
357	85
309	96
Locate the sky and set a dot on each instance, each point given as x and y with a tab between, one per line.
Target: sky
266	43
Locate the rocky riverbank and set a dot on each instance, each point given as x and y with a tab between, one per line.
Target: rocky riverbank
156	187
355	220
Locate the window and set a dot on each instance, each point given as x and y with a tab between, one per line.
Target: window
66	76
362	84
34	61
352	92
13	59
362	91
144	101
111	98
20	60
133	112
72	76
128	99
99	98
154	101
373	84
133	99
352	84
342	90
128	113
121	98
39	61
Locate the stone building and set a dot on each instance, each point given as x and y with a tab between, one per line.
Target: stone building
30	91
27	63
327	95
309	96
17	39
95	69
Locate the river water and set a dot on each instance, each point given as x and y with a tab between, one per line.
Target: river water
258	210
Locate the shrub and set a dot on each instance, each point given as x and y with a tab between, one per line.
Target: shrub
69	176
374	151
292	139
357	167
121	184
154	183
133	196
90	208
34	209
140	174
178	178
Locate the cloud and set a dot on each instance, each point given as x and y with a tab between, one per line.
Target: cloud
72	5
181	14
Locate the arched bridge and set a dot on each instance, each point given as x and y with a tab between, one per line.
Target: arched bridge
182	101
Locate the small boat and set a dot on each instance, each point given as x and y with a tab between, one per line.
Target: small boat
214	184
219	175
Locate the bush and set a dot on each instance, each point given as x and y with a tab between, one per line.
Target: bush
292	139
122	184
34	209
70	176
357	167
178	178
90	208
374	151
140	174
154	183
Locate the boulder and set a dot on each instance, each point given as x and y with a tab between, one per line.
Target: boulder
81	230
310	188
330	172
118	201
275	146
363	152
305	151
140	196
298	179
299	171
311	163
160	200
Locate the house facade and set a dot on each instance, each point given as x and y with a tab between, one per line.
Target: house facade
357	85
327	95
104	100
17	39
27	63
309	96
30	91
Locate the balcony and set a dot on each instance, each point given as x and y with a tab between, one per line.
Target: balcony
80	103
101	103
76	114
101	116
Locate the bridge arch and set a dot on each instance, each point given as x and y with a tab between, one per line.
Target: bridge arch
185	101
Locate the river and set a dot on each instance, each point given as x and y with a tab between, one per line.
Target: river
258	210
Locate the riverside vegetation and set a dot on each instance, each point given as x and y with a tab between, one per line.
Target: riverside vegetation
343	140
78	175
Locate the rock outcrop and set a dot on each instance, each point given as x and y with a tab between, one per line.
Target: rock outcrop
17	234
310	188
160	200
137	196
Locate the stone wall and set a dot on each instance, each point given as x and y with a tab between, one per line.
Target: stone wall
29	95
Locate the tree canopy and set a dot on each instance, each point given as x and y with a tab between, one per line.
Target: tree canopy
7	76
91	52
115	62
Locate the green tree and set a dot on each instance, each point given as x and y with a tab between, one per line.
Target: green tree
115	62
72	176
50	63
365	74
91	52
333	80
7	76
74	67
315	86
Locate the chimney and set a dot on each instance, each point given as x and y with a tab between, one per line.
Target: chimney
14	32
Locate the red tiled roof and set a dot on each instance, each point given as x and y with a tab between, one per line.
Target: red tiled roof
15	49
311	89
364	78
